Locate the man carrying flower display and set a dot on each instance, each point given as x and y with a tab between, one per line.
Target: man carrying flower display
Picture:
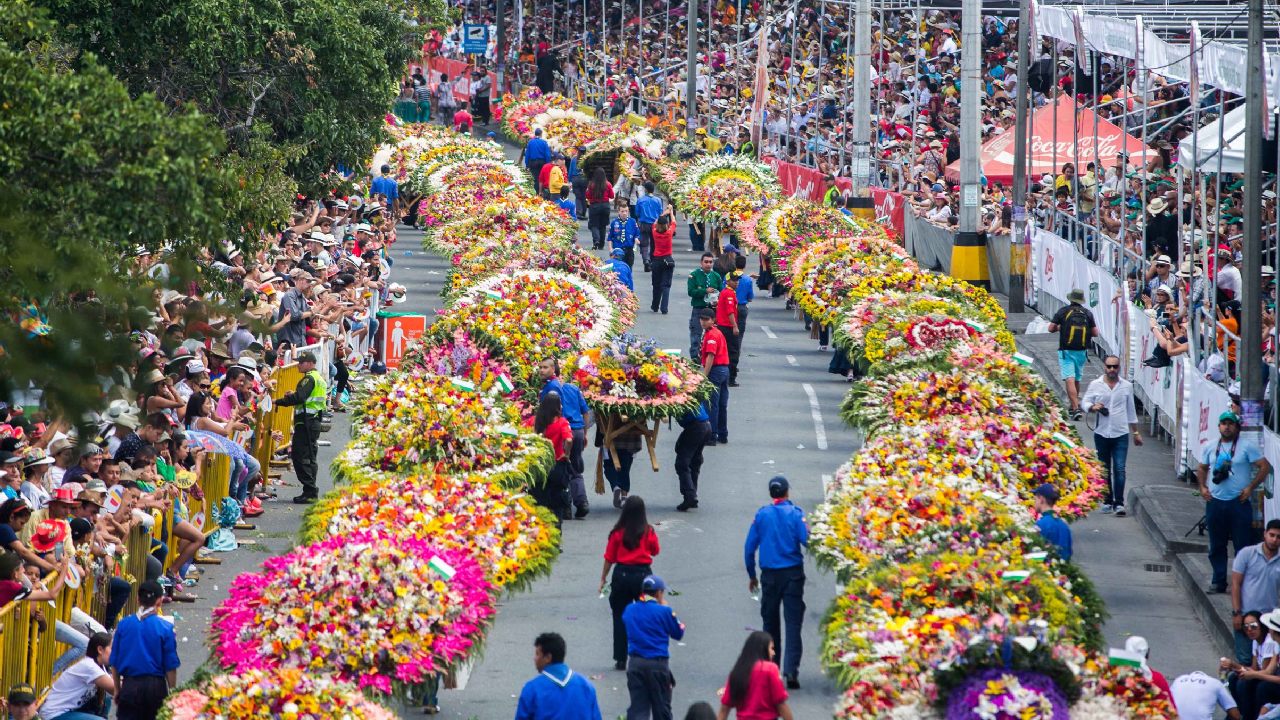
574	409
714	358
703	287
695	433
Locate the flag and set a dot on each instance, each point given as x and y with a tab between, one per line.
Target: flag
760	92
1084	58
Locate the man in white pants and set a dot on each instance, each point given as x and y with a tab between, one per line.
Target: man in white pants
1111	397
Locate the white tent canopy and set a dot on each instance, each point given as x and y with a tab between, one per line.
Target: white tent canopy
1227	133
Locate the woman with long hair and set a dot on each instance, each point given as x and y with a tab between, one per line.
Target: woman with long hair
630	549
83	685
599	195
662	264
755	688
549	422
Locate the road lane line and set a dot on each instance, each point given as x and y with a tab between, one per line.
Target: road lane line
768	333
791	359
816	411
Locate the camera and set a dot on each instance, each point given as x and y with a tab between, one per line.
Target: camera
1221	472
1104	411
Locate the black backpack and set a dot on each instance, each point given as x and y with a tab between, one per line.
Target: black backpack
1075	329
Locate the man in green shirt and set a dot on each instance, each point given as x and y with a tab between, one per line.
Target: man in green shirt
704	287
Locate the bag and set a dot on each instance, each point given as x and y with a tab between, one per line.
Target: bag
1076	326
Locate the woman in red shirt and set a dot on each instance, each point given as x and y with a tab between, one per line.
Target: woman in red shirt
599	197
664	266
629	551
755	684
554	493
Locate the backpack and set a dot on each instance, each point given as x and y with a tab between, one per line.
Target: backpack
1075	326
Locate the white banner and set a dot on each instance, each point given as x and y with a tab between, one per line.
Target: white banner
1059	269
1163	386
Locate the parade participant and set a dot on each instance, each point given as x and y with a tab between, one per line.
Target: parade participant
650	625
553	494
599	196
745	290
557	693
703	287
661	261
144	657
623	233
779	534
1051	526
537	153
630	550
714	359
308	400
619	265
754	688
695	434
578	414
648	210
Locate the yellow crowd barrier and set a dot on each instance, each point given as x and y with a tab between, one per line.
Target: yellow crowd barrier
276	422
215	482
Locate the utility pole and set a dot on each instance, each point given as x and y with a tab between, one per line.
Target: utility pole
1018	245
1250	350
500	47
691	64
862	205
969	253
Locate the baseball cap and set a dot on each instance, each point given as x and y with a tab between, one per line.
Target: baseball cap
306	356
22	693
1229	416
730	248
652	584
1048	492
778	486
618	253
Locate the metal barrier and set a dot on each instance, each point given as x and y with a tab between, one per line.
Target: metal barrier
215	482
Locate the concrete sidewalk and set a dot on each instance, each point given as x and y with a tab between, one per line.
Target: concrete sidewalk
1151	578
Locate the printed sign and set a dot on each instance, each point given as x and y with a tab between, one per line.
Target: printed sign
398	333
475	39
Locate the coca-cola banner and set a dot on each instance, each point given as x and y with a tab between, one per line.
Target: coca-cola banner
438	67
891	207
1060	134
800	181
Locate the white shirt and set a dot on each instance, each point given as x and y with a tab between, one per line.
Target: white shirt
939	213
1197	696
1268	649
72	688
1119	402
1229	279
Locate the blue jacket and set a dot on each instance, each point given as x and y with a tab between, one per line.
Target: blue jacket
145	647
624	272
558	694
648	208
1056	531
745	290
537	149
779	533
693	416
649	626
623	234
573	407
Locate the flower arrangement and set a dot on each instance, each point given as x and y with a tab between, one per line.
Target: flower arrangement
726	189
1007	695
416	419
422	148
634	377
519	221
883	325
513	539
866	525
453	204
533	314
384	612
278	694
569	129
823	272
518	111
864	238
477	173
933	283
472	265
1109	686
916	397
458	354
775	226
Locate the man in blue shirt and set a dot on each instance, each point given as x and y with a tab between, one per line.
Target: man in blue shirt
780	535
536	154
648	210
1229	472
623	233
574	409
650	626
566	204
695	433
558	693
1051	526
144	657
386	186
619	265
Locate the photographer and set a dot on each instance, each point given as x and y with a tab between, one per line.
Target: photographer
1112	398
1227	486
1171	340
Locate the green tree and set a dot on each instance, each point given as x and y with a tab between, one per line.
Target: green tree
318	75
91	177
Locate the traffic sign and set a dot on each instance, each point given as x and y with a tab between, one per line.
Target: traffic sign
475	39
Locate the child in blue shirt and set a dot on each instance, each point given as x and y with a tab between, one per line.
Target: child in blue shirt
623	233
569	206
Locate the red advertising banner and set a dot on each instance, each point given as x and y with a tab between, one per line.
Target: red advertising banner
805	182
438	67
893	207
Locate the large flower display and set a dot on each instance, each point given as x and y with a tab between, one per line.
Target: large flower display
511	538
884	325
724	189
776	226
380	610
518	220
636	378
458	354
477	173
857	237
517	112
922	396
823	272
279	694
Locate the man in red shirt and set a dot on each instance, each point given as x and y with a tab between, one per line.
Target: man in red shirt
727	321
462	120
715	366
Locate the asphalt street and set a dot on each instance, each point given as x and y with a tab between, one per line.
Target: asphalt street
783	420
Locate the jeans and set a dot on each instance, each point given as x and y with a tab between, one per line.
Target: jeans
77	715
735	345
620	479
718	406
577	484
695	336
624	589
1251	694
663	269
77	644
1227	520
118	592
783	588
697	241
1243	648
649	682
598	223
1112	453
689	456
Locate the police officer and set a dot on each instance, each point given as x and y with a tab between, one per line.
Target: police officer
308	400
780	535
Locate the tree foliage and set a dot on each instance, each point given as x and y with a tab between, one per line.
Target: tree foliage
90	176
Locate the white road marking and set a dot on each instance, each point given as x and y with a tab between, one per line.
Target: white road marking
816	411
768	333
791	359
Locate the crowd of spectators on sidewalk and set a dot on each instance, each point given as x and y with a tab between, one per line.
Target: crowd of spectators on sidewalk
74	491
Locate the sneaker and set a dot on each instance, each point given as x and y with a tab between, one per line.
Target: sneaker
1077	414
323	443
1120	511
709	443
822	348
617	498
687	505
1107	509
733	383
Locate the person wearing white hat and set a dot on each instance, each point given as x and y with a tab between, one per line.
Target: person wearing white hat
1161	273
